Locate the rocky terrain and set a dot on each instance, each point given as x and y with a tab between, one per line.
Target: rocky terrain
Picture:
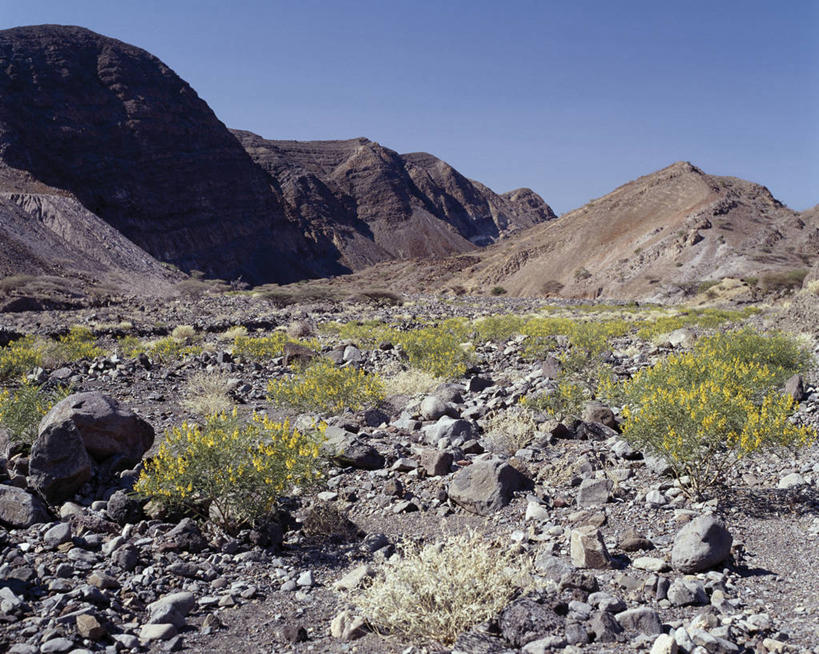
622	559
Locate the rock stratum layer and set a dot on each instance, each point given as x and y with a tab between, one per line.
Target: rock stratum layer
87	117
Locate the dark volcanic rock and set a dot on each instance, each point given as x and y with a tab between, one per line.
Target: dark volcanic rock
59	463
114	126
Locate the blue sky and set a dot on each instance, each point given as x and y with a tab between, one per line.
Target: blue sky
569	98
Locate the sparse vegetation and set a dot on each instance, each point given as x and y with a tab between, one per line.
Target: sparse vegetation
510	430
704	410
497	290
324	388
435	592
410	382
228	469
206	394
22	408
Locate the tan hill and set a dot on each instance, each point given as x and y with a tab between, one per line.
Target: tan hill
659	237
377	205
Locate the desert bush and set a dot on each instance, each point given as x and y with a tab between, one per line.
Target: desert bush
14	283
498	328
510	430
206	394
184	333
324	388
564	401
497	290
441	350
437	591
232	470
166	349
410	382
267	347
783	281
232	333
21	409
19	357
369	333
704	410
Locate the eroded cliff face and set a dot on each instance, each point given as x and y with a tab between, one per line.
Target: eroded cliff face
377	205
113	126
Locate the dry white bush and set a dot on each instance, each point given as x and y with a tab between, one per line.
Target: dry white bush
435	592
509	430
183	333
206	393
410	382
233	332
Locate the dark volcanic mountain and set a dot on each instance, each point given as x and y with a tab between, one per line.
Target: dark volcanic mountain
378	205
87	117
110	124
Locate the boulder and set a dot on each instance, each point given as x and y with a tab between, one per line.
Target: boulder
594	492
795	387
124	508
436	463
106	427
701	544
348	450
641	619
449	429
596	411
59	463
433	407
185	537
19	509
485	486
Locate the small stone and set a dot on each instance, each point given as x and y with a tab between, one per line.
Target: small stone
793	480
57	645
641	619
354	578
651	564
294	633
346	626
436	463
593	492
536	512
588	549
151	632
655	498
432	408
686	592
57	535
103	580
664	644
88	626
305	579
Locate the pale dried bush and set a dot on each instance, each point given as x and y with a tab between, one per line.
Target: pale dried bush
436	592
411	382
207	394
183	333
509	430
232	333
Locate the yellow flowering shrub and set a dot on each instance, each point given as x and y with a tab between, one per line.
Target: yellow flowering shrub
266	347
78	344
19	357
704	410
324	388
498	328
232	470
564	401
21	409
368	333
441	350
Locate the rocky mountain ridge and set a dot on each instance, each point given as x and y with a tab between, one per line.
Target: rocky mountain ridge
89	117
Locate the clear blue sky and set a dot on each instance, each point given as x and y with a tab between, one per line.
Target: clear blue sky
570	98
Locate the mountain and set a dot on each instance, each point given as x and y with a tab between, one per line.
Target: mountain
377	205
661	236
112	126
96	128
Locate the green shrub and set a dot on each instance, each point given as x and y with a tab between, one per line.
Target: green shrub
441	350
21	409
498	290
704	410
233	471
498	328
19	357
437	591
563	402
324	388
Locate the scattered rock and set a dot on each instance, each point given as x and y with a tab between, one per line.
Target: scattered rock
588	549
485	486
19	509
701	544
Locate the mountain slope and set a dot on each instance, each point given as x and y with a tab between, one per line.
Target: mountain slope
378	205
655	238
113	126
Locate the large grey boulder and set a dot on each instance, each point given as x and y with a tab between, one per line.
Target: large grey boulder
59	463
19	509
701	544
106	427
448	429
347	449
485	486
